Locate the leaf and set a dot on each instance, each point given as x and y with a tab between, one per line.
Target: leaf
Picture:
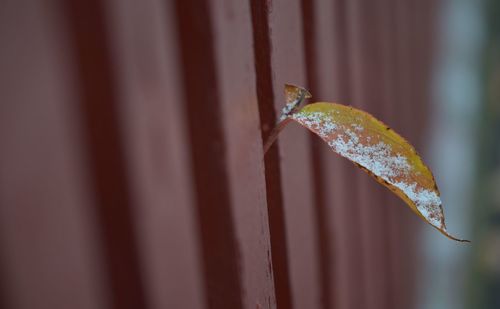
372	146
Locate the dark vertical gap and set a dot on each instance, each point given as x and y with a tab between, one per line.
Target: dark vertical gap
325	260
208	157
265	96
107	165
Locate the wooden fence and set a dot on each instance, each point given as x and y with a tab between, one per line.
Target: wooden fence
131	163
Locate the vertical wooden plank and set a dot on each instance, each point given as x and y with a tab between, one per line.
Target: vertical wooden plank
396	103
349	196
100	108
367	91
328	75
417	20
423	27
203	106
404	226
404	66
240	120
385	14
410	30
323	226
144	46
288	66
265	95
48	252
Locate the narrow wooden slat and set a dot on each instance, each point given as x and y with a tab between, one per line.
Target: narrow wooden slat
328	73
405	226
144	46
356	295
417	20
48	246
364	33
323	226
288	66
385	18
100	110
268	115
423	26
208	154
245	165
388	19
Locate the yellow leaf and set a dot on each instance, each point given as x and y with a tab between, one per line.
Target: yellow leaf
374	147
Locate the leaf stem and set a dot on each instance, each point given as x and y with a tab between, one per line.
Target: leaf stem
289	109
274	134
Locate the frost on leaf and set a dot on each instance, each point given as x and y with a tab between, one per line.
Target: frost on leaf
375	148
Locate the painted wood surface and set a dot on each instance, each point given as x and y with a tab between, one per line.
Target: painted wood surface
132	172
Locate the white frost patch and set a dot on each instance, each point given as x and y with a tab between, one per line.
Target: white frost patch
377	158
285	112
427	202
316	121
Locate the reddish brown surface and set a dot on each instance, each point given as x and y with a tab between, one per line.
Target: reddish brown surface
50	247
148	71
103	139
221	256
131	168
244	155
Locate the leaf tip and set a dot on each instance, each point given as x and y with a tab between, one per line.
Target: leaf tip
445	233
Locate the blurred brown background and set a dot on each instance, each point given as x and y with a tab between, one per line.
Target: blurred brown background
131	164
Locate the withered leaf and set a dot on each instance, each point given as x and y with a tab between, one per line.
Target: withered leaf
372	146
